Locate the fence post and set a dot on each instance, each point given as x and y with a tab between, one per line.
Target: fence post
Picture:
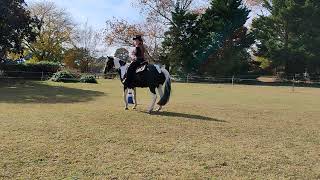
233	80
187	78
42	76
293	85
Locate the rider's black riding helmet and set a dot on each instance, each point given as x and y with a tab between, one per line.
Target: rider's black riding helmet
138	37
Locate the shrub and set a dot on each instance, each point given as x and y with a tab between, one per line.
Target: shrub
88	79
64	76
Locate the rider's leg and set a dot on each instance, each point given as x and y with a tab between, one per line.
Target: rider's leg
130	74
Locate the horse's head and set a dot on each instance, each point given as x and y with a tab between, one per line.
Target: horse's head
109	64
113	62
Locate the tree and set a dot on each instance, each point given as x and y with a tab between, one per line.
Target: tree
122	53
290	35
78	58
224	38
54	33
88	38
179	43
71	57
164	23
87	43
98	65
84	60
215	41
160	10
120	33
159	19
16	26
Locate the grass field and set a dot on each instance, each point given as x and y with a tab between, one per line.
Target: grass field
81	131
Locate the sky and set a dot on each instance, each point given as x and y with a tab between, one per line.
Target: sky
97	12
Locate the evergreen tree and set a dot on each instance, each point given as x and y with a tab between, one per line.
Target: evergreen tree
215	42
224	38
290	36
179	42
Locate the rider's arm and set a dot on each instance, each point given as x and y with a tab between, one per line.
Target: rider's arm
133	54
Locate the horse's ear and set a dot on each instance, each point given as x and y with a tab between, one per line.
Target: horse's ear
110	58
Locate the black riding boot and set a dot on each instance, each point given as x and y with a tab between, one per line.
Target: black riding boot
131	74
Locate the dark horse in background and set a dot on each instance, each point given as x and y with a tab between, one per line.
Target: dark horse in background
147	76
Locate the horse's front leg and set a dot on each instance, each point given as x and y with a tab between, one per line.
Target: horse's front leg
154	98
135	98
125	92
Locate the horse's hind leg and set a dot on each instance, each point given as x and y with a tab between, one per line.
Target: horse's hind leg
160	91
135	98
154	98
125	92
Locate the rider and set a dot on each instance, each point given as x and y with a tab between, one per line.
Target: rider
138	59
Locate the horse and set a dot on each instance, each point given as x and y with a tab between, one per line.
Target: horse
147	76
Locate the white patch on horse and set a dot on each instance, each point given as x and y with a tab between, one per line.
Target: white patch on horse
158	68
123	70
154	98
116	62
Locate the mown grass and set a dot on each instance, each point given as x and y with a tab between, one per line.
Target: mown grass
80	131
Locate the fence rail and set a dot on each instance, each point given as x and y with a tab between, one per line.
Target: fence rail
42	75
236	79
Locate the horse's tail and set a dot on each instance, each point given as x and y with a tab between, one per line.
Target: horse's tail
167	88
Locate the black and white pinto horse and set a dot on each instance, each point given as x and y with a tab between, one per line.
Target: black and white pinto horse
147	76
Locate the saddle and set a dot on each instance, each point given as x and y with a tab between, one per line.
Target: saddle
142	67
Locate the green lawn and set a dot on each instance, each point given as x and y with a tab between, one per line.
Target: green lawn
81	131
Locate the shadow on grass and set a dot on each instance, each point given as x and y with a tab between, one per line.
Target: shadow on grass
187	116
37	92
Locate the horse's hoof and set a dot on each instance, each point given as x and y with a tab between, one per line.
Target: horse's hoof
159	109
134	108
149	112
126	109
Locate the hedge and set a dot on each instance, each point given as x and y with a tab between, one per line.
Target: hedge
30	70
